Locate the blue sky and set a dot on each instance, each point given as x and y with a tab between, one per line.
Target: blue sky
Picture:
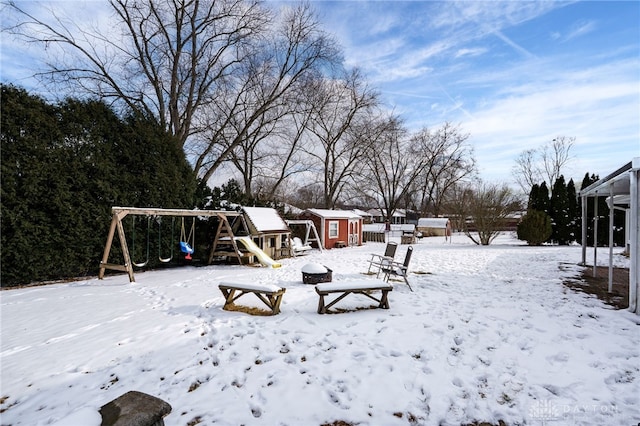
514	75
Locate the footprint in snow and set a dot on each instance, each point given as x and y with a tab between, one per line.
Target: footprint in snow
256	411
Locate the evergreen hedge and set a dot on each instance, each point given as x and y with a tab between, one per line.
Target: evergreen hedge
63	167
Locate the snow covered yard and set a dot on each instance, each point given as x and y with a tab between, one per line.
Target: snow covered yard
489	334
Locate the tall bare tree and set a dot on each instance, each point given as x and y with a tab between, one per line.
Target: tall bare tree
543	164
272	151
294	53
340	108
170	58
390	169
526	171
555	156
449	160
286	153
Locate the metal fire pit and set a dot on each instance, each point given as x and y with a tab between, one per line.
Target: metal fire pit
314	273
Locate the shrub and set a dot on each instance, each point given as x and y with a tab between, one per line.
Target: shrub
535	228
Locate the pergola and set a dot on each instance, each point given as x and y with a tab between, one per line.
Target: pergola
622	189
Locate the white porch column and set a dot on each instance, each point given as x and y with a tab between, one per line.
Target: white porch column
634	255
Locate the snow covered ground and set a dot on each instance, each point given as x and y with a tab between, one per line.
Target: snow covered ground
489	334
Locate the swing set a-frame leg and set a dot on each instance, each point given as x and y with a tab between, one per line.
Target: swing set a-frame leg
116	224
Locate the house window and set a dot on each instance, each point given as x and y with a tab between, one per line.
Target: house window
333	229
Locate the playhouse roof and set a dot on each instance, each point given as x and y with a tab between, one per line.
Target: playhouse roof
265	219
334	214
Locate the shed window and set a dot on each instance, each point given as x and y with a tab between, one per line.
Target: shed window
333	229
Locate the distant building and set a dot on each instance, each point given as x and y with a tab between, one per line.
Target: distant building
434	227
398	217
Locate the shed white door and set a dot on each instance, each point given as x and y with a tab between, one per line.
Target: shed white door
353	233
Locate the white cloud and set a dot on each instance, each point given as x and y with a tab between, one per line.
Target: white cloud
599	106
580	29
470	52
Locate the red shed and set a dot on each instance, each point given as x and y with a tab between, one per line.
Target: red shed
337	228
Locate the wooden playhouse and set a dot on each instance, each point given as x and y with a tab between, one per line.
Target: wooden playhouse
267	229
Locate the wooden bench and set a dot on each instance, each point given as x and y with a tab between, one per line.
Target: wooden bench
270	294
364	287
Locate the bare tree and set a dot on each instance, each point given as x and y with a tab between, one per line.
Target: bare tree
533	166
286	153
214	73
171	57
555	155
308	196
248	155
272	151
448	161
293	54
390	169
484	209
340	107
526	170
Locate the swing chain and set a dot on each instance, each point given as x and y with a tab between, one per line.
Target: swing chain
133	242
187	242
165	259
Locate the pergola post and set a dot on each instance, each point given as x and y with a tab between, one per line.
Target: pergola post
611	214
634	252
585	200
595	234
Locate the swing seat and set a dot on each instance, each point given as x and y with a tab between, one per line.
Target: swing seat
186	248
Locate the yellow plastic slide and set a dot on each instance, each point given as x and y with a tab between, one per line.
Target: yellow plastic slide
262	257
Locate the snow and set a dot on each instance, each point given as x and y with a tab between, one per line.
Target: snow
314	268
488	334
353	285
265	219
251	286
334	214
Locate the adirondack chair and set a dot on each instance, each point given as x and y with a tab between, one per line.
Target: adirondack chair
377	261
398	269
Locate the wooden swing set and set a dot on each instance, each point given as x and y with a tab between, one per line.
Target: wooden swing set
224	243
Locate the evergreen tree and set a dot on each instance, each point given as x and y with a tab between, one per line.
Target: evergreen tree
533	197
543	201
535	228
539	198
575	215
559	212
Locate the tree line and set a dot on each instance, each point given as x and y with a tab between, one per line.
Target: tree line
556	217
177	92
262	93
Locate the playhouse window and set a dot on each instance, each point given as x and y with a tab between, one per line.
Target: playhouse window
333	229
